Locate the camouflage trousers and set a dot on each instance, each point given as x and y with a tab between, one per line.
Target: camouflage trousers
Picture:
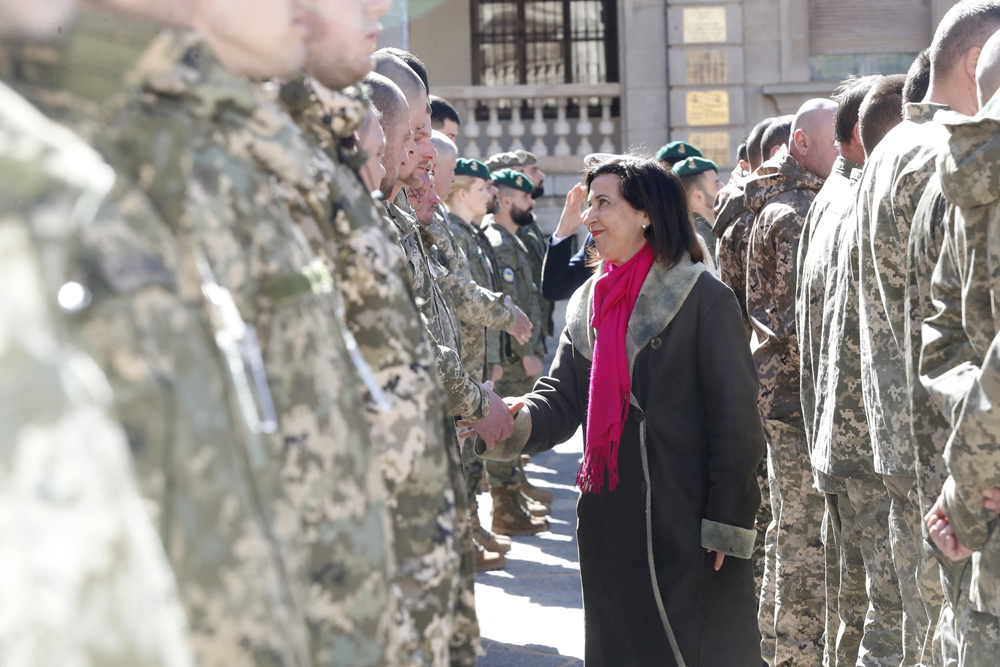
868	601
978	633
919	576
499	473
465	645
793	596
761	523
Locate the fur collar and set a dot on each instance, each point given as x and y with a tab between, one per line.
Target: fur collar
662	295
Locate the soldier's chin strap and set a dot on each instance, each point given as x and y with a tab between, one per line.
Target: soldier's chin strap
649	538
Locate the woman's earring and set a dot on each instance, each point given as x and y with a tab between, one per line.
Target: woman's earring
644	225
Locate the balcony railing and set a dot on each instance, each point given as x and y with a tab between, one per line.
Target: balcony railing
559	123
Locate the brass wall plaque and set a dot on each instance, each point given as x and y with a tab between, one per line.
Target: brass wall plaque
703	25
707	66
707	107
715	146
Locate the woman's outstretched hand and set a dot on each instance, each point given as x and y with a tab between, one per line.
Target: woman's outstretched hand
718	559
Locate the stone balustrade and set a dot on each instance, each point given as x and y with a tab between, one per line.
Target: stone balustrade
552	121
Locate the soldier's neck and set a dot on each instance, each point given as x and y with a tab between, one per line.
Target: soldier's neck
506	222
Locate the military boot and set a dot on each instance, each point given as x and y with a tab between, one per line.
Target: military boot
530	506
509	518
491	542
488	560
543	496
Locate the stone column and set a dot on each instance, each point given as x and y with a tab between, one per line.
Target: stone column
643	65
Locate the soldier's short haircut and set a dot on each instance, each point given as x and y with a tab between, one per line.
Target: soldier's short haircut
849	97
966	25
394	69
443	145
881	111
776	135
918	78
387	98
695	182
741	152
754	138
441	110
413	62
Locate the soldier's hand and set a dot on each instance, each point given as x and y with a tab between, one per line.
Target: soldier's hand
497	372
718	559
532	365
571	217
942	533
500	412
521	330
992	501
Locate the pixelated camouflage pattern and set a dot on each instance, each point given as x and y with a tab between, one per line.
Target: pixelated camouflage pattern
779	195
795	576
477	305
381	313
733	222
231	175
964	287
478	342
930	428
832	404
85	580
893	179
513	264
466	398
537	243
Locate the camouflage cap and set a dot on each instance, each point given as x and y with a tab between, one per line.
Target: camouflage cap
513	179
694	165
677	150
473	168
527	157
503	161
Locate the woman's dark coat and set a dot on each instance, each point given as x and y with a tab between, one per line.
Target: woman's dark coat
696	384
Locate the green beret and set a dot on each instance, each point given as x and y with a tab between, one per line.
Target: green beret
513	179
677	150
504	160
474	168
694	165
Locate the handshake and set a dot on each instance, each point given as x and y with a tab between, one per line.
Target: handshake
498	425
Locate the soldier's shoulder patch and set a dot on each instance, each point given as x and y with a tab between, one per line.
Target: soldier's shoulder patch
508	274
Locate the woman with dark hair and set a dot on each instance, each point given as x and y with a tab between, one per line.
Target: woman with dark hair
654	363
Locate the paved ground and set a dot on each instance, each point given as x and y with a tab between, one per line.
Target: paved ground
531	614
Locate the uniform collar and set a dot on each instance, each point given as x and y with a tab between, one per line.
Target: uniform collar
922	112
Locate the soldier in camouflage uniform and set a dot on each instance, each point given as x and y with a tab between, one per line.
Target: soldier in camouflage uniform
733	222
523	362
235	181
380	311
791	614
182	402
700	177
959	359
856	530
85	580
896	174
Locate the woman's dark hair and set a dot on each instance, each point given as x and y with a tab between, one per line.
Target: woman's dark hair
647	187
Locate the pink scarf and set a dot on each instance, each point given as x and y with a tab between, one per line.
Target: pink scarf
615	294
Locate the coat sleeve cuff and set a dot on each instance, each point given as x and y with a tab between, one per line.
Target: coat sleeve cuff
509	449
726	539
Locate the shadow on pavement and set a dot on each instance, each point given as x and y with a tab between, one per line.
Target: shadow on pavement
532	655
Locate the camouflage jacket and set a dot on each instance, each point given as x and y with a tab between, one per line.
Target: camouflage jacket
474	301
704	229
832	405
891	183
465	397
959	364
930	428
536	244
514	266
779	195
481	347
231	175
85	579
416	459
733	222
